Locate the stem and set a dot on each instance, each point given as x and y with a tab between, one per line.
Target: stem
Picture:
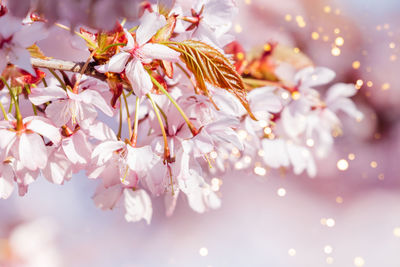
78	80
166	147
111	45
17	111
44	82
120	119
136	123
58	78
128	116
28	90
133	28
189	123
4	111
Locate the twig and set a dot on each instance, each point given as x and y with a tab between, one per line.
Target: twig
68	66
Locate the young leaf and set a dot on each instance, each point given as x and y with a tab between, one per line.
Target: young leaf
35	51
209	65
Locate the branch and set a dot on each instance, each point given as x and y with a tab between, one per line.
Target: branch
68	66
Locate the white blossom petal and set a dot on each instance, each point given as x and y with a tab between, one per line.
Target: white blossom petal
150	24
116	64
137	205
310	77
41	95
139	78
107	198
105	150
43	127
6	180
158	51
92	97
32	152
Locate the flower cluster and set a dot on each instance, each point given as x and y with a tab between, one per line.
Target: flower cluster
156	105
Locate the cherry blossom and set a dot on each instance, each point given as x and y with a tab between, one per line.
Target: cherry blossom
14	39
68	106
174	107
140	52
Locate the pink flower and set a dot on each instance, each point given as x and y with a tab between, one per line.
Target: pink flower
116	162
215	20
67	106
214	133
282	153
14	39
26	145
137	202
139	52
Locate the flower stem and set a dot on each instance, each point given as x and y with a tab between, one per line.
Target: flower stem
136	123
111	45
167	154
58	79
78	80
4	111
128	116
162	89
120	119
18	115
44	82
28	90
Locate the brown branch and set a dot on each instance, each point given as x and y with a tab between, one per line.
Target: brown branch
68	66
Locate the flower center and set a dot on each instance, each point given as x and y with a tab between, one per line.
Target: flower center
137	53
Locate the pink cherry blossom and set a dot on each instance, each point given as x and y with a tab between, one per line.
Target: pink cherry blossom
14	39
139	52
22	144
68	106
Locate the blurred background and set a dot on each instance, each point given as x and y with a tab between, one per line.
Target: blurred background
349	215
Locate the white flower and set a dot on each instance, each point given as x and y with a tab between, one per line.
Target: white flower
67	106
139	52
14	39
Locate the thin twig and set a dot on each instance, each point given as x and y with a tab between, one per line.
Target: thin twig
68	66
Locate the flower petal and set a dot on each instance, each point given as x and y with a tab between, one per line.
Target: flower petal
139	78
6	180
43	127
94	98
137	205
58	168
106	198
41	95
311	77
105	150
150	24
116	64
340	90
59	112
158	51
139	159
32	152
22	59
77	148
